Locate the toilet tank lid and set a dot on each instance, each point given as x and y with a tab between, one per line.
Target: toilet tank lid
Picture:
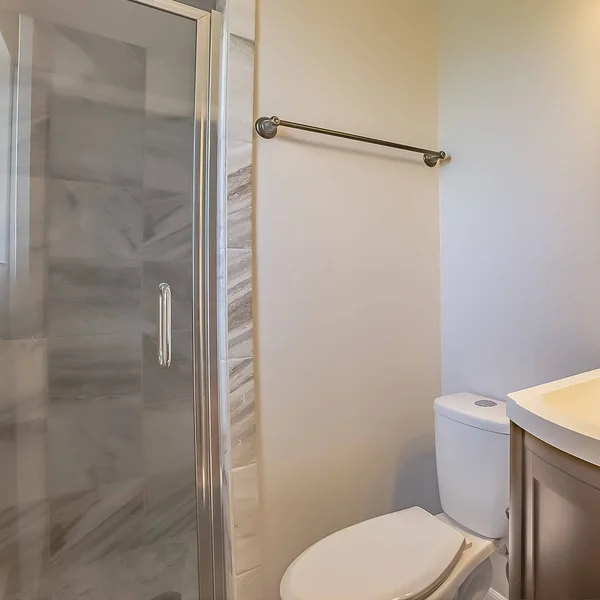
477	411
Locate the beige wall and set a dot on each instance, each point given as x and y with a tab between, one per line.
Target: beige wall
520	203
347	269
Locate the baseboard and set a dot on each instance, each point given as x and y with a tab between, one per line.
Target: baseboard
494	595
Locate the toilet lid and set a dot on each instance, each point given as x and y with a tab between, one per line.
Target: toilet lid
400	556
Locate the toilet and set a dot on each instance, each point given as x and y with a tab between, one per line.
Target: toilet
412	554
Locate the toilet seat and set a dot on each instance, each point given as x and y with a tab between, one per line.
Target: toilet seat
405	555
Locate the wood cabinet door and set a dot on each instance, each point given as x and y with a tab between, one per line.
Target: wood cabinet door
557	525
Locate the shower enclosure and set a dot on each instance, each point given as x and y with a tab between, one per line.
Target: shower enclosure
109	457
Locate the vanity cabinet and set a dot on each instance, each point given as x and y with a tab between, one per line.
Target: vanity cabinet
554	523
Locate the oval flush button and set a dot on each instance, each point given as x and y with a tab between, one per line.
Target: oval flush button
486	403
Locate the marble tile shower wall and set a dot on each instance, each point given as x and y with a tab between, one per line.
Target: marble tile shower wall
96	447
239	427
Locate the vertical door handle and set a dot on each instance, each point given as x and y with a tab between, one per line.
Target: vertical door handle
164	325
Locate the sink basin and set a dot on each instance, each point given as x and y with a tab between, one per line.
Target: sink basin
563	413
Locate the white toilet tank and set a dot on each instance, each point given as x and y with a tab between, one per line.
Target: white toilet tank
472	455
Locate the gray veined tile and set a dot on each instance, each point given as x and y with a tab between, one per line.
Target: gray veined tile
239	229
93	444
239	303
140	573
90	525
26	310
170	88
227	520
27	290
179	277
4	302
174	383
92	220
23	516
36	134
241	375
247	519
169	450
8	464
239	195
23	551
169	505
23	372
28	275
116	155
95	368
169	153
97	67
239	175
242	412
168	566
240	92
168	231
95	412
32	128
169	473
93	297
31	446
22	502
224	414
222	306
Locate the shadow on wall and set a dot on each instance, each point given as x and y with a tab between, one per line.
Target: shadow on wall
416	479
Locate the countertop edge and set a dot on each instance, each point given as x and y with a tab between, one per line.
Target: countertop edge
562	438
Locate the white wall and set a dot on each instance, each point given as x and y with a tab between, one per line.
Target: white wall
347	269
520	203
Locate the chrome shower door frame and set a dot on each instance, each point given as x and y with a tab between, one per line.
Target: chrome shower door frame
211	557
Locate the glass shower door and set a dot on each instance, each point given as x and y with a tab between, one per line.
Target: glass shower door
101	154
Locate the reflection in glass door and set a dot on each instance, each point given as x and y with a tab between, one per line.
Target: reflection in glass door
104	136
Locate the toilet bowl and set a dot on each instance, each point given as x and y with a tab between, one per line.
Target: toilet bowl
408	555
412	554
